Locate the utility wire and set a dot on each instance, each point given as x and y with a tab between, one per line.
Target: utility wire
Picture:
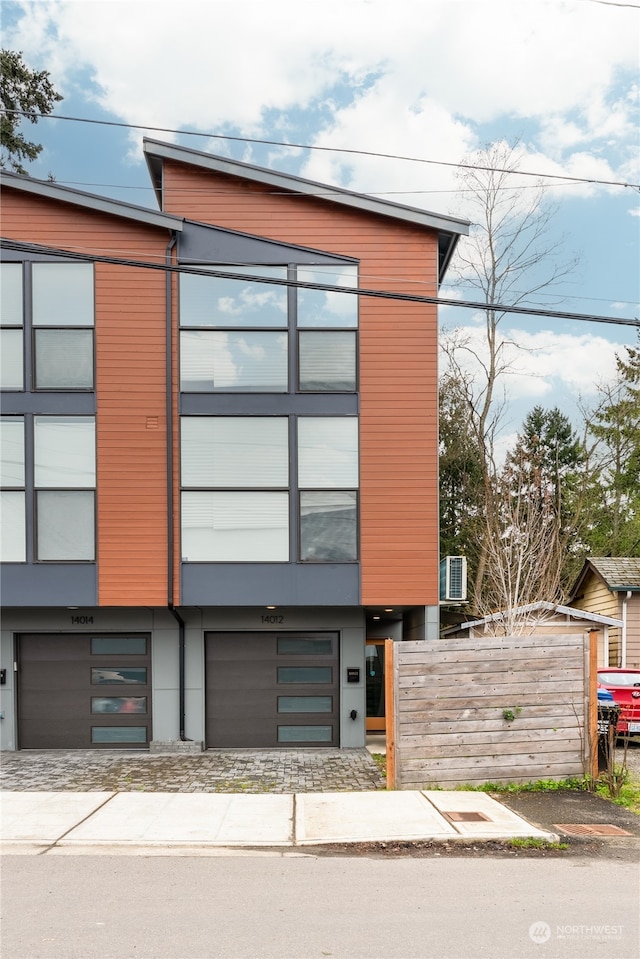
21	247
305	146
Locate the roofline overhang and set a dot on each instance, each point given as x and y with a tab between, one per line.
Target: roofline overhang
90	201
449	228
541	606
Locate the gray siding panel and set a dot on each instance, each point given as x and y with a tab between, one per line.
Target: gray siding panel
55	584
269	584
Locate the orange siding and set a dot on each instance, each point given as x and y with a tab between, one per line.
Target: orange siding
130	390
398	364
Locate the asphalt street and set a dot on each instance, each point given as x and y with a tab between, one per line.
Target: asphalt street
299	906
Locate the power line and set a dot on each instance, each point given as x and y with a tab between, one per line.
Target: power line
21	247
306	146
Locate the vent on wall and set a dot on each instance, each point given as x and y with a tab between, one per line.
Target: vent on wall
453	579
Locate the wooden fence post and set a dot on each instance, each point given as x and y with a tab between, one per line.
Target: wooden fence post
390	710
592	715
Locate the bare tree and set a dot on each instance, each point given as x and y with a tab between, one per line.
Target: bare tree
508	258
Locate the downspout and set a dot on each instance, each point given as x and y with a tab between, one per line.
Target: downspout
623	646
170	503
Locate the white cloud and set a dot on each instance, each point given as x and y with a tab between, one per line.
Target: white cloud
542	363
406	77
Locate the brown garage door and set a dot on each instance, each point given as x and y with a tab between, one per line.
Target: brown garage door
84	692
272	690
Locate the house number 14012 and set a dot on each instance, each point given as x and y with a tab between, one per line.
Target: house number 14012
273	620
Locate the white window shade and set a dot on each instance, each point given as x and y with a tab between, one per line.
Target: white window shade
235	527
63	294
328	452
235	451
65	453
11	360
249	361
12	520
11	294
12	451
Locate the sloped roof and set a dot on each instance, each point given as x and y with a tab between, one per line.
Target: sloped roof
619	572
448	228
91	201
542	606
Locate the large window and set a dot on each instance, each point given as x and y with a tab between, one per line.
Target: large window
235	500
236	333
328	483
237	491
64	482
58	326
233	332
11	328
12	494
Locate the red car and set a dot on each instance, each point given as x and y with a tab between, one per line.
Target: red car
624	686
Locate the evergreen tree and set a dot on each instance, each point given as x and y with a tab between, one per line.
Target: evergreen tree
615	499
24	94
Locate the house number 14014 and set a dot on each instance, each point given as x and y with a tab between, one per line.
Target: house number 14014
82	620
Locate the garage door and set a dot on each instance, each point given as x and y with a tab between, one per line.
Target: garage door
272	690
84	692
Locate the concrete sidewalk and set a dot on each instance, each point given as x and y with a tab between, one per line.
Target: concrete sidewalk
40	822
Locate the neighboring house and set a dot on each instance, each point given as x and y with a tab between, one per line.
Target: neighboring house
542	619
610	586
219	472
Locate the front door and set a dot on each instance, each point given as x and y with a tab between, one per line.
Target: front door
374	669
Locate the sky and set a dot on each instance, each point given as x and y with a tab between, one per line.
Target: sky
370	93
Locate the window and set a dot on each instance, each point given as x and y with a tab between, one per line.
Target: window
63	319
227	361
12	494
322	308
245	348
235	451
235	332
244	463
231	527
328	483
236	489
327	361
11	328
64	482
59	325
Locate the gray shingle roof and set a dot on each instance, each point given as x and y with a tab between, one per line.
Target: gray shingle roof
619	572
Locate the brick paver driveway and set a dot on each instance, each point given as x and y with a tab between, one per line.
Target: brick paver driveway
218	771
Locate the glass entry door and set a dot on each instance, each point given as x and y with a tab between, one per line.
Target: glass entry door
374	670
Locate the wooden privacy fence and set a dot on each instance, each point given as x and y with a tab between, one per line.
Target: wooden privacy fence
495	709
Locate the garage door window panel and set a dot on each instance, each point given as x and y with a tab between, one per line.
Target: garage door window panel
101	735
305	704
305	674
119	675
119	704
305	734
